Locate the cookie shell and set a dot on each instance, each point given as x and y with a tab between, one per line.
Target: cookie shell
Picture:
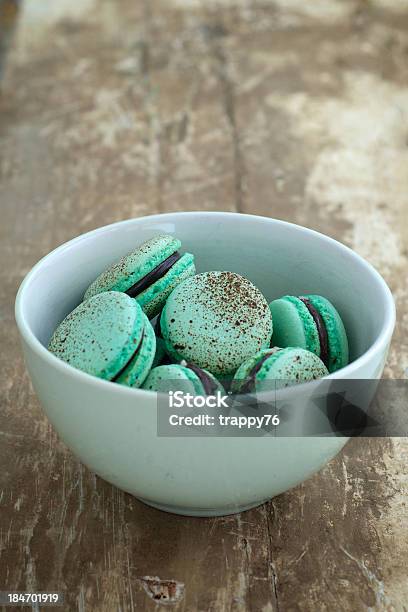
216	320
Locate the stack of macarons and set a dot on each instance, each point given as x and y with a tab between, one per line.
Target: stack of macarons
150	321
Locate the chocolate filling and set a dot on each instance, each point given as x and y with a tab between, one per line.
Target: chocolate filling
157	273
115	378
250	381
321	330
209	385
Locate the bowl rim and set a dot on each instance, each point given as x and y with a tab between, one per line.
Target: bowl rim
383	337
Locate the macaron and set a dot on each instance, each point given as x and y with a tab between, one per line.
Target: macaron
108	336
185	377
289	365
216	320
148	274
311	322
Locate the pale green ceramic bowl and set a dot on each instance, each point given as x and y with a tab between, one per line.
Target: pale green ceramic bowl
113	429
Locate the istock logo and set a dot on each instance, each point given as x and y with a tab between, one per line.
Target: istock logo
178	399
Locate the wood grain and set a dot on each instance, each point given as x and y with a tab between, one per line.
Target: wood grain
113	109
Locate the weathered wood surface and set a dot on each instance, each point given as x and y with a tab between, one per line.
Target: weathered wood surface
112	109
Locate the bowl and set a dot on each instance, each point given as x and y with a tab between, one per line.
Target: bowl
113	429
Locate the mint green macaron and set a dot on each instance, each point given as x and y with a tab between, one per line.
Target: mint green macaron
313	323
148	274
185	377
107	336
288	365
216	320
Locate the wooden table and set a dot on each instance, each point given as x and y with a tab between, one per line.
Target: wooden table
119	108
